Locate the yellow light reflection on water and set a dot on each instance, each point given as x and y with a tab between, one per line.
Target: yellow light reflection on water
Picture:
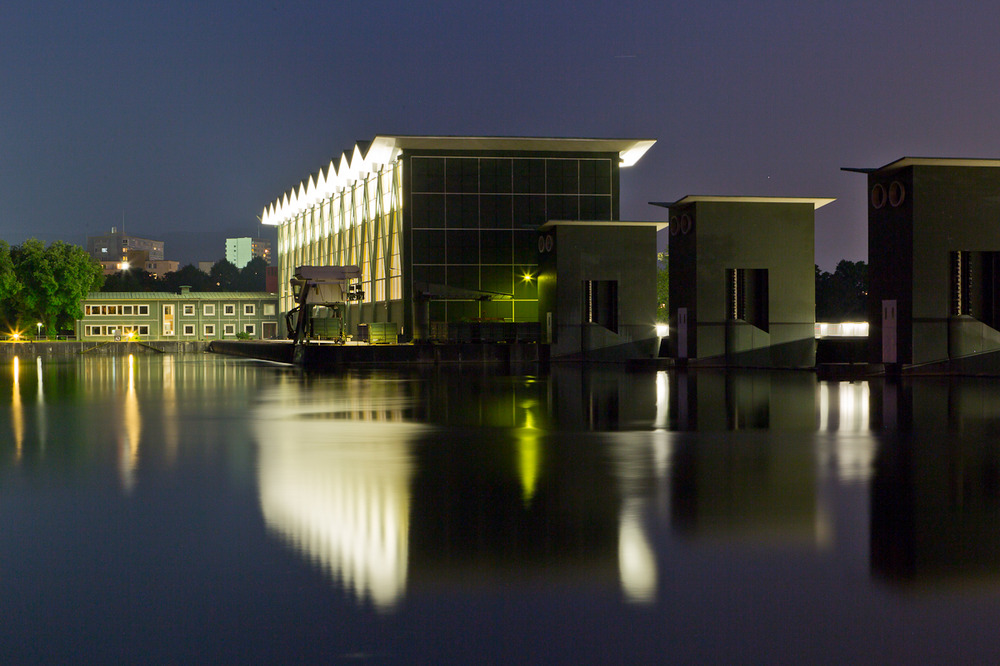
529	456
128	458
17	412
40	421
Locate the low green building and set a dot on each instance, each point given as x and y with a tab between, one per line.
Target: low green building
187	316
933	260
742	280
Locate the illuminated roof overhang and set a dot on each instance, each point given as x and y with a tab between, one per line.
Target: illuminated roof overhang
817	202
603	223
928	161
629	150
368	156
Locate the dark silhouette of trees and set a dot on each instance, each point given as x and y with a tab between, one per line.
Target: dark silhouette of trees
843	294
224	275
253	275
190	276
131	279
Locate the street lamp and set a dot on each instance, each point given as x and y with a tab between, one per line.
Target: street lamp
37	337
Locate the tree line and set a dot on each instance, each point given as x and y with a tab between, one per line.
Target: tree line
843	294
223	276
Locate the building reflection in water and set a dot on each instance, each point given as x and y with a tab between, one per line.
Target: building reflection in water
334	473
641	465
935	498
843	409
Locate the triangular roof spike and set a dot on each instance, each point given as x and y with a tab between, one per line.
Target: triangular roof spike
362	147
310	195
320	192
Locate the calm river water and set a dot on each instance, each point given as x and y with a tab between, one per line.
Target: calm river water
197	509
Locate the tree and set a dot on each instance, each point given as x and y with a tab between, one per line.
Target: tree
76	274
224	275
662	287
842	295
189	276
253	276
52	282
10	286
131	279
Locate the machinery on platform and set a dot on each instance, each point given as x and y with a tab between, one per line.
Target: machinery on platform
322	294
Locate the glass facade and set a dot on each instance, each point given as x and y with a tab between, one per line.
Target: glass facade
473	222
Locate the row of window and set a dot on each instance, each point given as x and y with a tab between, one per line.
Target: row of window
502	175
431	246
116	310
504	211
188	309
208	330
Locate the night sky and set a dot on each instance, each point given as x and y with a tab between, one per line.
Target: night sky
186	118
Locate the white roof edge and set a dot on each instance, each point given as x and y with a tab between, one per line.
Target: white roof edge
940	161
817	202
659	224
383	149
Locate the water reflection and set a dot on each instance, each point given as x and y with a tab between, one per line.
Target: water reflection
334	471
130	429
17	411
641	468
935	496
582	472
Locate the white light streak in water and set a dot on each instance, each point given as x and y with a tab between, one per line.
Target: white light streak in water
662	401
636	559
641	464
17	412
40	419
334	480
131	429
844	409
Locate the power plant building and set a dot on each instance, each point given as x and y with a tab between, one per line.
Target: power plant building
445	226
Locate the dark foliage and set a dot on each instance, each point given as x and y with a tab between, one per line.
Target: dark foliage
843	294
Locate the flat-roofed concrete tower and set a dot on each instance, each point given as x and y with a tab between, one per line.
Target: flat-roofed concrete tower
742	280
934	261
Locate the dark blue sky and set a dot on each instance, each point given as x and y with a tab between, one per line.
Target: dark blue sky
192	116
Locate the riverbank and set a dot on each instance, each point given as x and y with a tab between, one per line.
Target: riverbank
327	356
71	348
